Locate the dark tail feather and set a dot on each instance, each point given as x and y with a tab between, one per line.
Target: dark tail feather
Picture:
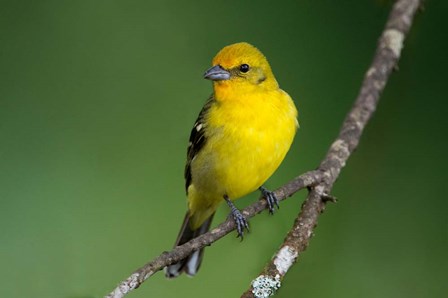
191	263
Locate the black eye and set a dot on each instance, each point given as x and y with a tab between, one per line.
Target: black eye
244	68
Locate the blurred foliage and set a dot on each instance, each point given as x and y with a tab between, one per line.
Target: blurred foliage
96	103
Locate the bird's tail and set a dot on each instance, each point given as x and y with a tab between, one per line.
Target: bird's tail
191	263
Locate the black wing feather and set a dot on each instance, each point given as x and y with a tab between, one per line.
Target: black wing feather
197	140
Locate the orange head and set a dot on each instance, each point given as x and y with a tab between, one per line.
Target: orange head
241	67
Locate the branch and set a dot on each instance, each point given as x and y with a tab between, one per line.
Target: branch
385	60
181	252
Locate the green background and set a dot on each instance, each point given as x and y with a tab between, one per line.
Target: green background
97	99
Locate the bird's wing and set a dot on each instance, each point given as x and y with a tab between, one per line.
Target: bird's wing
197	140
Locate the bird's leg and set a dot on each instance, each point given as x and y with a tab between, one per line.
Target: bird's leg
240	222
271	199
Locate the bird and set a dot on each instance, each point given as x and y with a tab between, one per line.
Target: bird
239	139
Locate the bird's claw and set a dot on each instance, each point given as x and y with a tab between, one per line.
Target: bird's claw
240	222
271	199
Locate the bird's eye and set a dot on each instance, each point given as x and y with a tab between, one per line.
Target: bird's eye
244	68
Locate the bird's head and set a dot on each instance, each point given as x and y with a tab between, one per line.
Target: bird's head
241	67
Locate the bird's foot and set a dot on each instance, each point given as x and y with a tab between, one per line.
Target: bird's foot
271	199
240	221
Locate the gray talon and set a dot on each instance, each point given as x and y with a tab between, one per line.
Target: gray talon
271	199
240	221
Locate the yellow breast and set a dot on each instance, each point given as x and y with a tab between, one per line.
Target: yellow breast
247	140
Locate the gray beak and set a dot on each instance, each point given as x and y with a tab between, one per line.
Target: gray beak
217	73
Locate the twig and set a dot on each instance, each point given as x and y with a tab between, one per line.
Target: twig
385	60
167	258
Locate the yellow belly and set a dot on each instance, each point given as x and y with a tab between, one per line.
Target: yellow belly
245	145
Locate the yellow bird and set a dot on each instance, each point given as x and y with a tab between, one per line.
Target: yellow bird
241	136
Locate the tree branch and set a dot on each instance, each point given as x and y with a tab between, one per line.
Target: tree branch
167	258
385	60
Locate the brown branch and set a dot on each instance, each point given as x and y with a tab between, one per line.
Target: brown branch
385	60
167	258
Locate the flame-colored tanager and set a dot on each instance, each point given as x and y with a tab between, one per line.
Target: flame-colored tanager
241	136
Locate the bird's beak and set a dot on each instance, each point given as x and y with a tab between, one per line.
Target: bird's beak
217	73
